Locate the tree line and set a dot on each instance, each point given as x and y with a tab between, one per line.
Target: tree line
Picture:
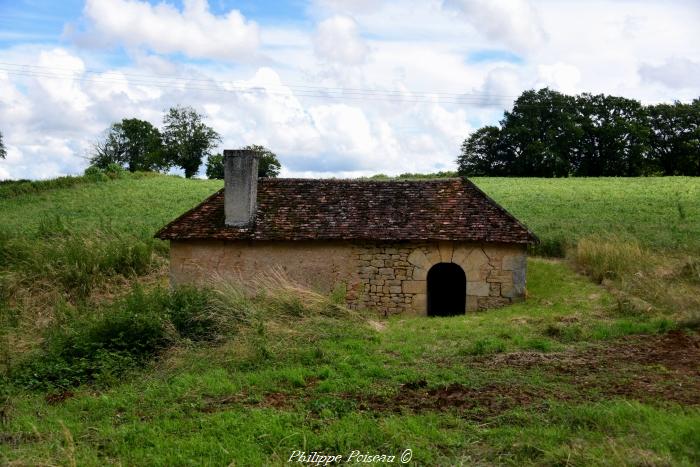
550	134
184	142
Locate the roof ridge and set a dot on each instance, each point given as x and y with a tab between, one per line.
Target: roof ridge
362	180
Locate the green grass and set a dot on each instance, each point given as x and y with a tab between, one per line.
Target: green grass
662	213
299	385
289	375
131	205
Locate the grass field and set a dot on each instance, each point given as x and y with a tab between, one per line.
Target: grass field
579	374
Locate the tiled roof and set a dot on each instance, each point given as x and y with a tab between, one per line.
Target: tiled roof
305	209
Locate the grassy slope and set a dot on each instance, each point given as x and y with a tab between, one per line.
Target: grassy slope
133	206
323	384
660	212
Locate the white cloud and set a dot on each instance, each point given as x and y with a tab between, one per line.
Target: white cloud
676	73
560	77
429	57
65	91
337	40
194	31
514	23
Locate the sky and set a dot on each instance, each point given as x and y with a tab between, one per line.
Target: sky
336	88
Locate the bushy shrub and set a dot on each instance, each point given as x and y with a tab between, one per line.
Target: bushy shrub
95	174
191	313
115	170
554	247
87	347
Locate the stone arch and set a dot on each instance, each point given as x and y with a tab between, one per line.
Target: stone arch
447	290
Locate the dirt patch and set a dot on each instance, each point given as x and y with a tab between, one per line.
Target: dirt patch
19	438
646	368
476	403
54	398
657	369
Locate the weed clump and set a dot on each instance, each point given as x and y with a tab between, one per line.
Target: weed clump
690	271
97	346
550	247
85	347
609	258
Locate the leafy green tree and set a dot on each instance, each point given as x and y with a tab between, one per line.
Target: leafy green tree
268	166
3	152
187	139
215	166
131	143
615	140
481	154
540	134
675	138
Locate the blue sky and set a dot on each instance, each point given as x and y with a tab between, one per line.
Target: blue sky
334	87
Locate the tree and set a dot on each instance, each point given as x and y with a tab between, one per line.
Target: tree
268	165
481	153
132	143
675	138
540	134
187	139
3	152
215	167
615	136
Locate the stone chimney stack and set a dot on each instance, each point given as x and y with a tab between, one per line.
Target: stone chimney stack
240	185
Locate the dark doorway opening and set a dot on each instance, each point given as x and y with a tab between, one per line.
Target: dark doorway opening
447	290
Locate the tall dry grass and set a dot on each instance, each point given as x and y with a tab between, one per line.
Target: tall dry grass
271	295
610	257
644	281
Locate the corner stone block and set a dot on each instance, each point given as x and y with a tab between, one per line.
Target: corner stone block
420	303
472	303
514	262
414	287
512	291
478	289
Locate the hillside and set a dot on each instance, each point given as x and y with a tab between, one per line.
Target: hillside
102	363
660	212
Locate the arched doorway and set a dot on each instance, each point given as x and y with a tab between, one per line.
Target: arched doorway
447	290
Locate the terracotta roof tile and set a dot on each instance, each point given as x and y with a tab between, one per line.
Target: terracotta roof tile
306	209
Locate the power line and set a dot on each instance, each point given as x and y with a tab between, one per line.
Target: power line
230	87
237	89
291	86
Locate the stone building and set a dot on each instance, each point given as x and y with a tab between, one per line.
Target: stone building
430	247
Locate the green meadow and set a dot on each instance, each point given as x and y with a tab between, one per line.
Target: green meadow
102	363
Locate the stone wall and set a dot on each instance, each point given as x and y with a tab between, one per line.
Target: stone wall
389	277
393	276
